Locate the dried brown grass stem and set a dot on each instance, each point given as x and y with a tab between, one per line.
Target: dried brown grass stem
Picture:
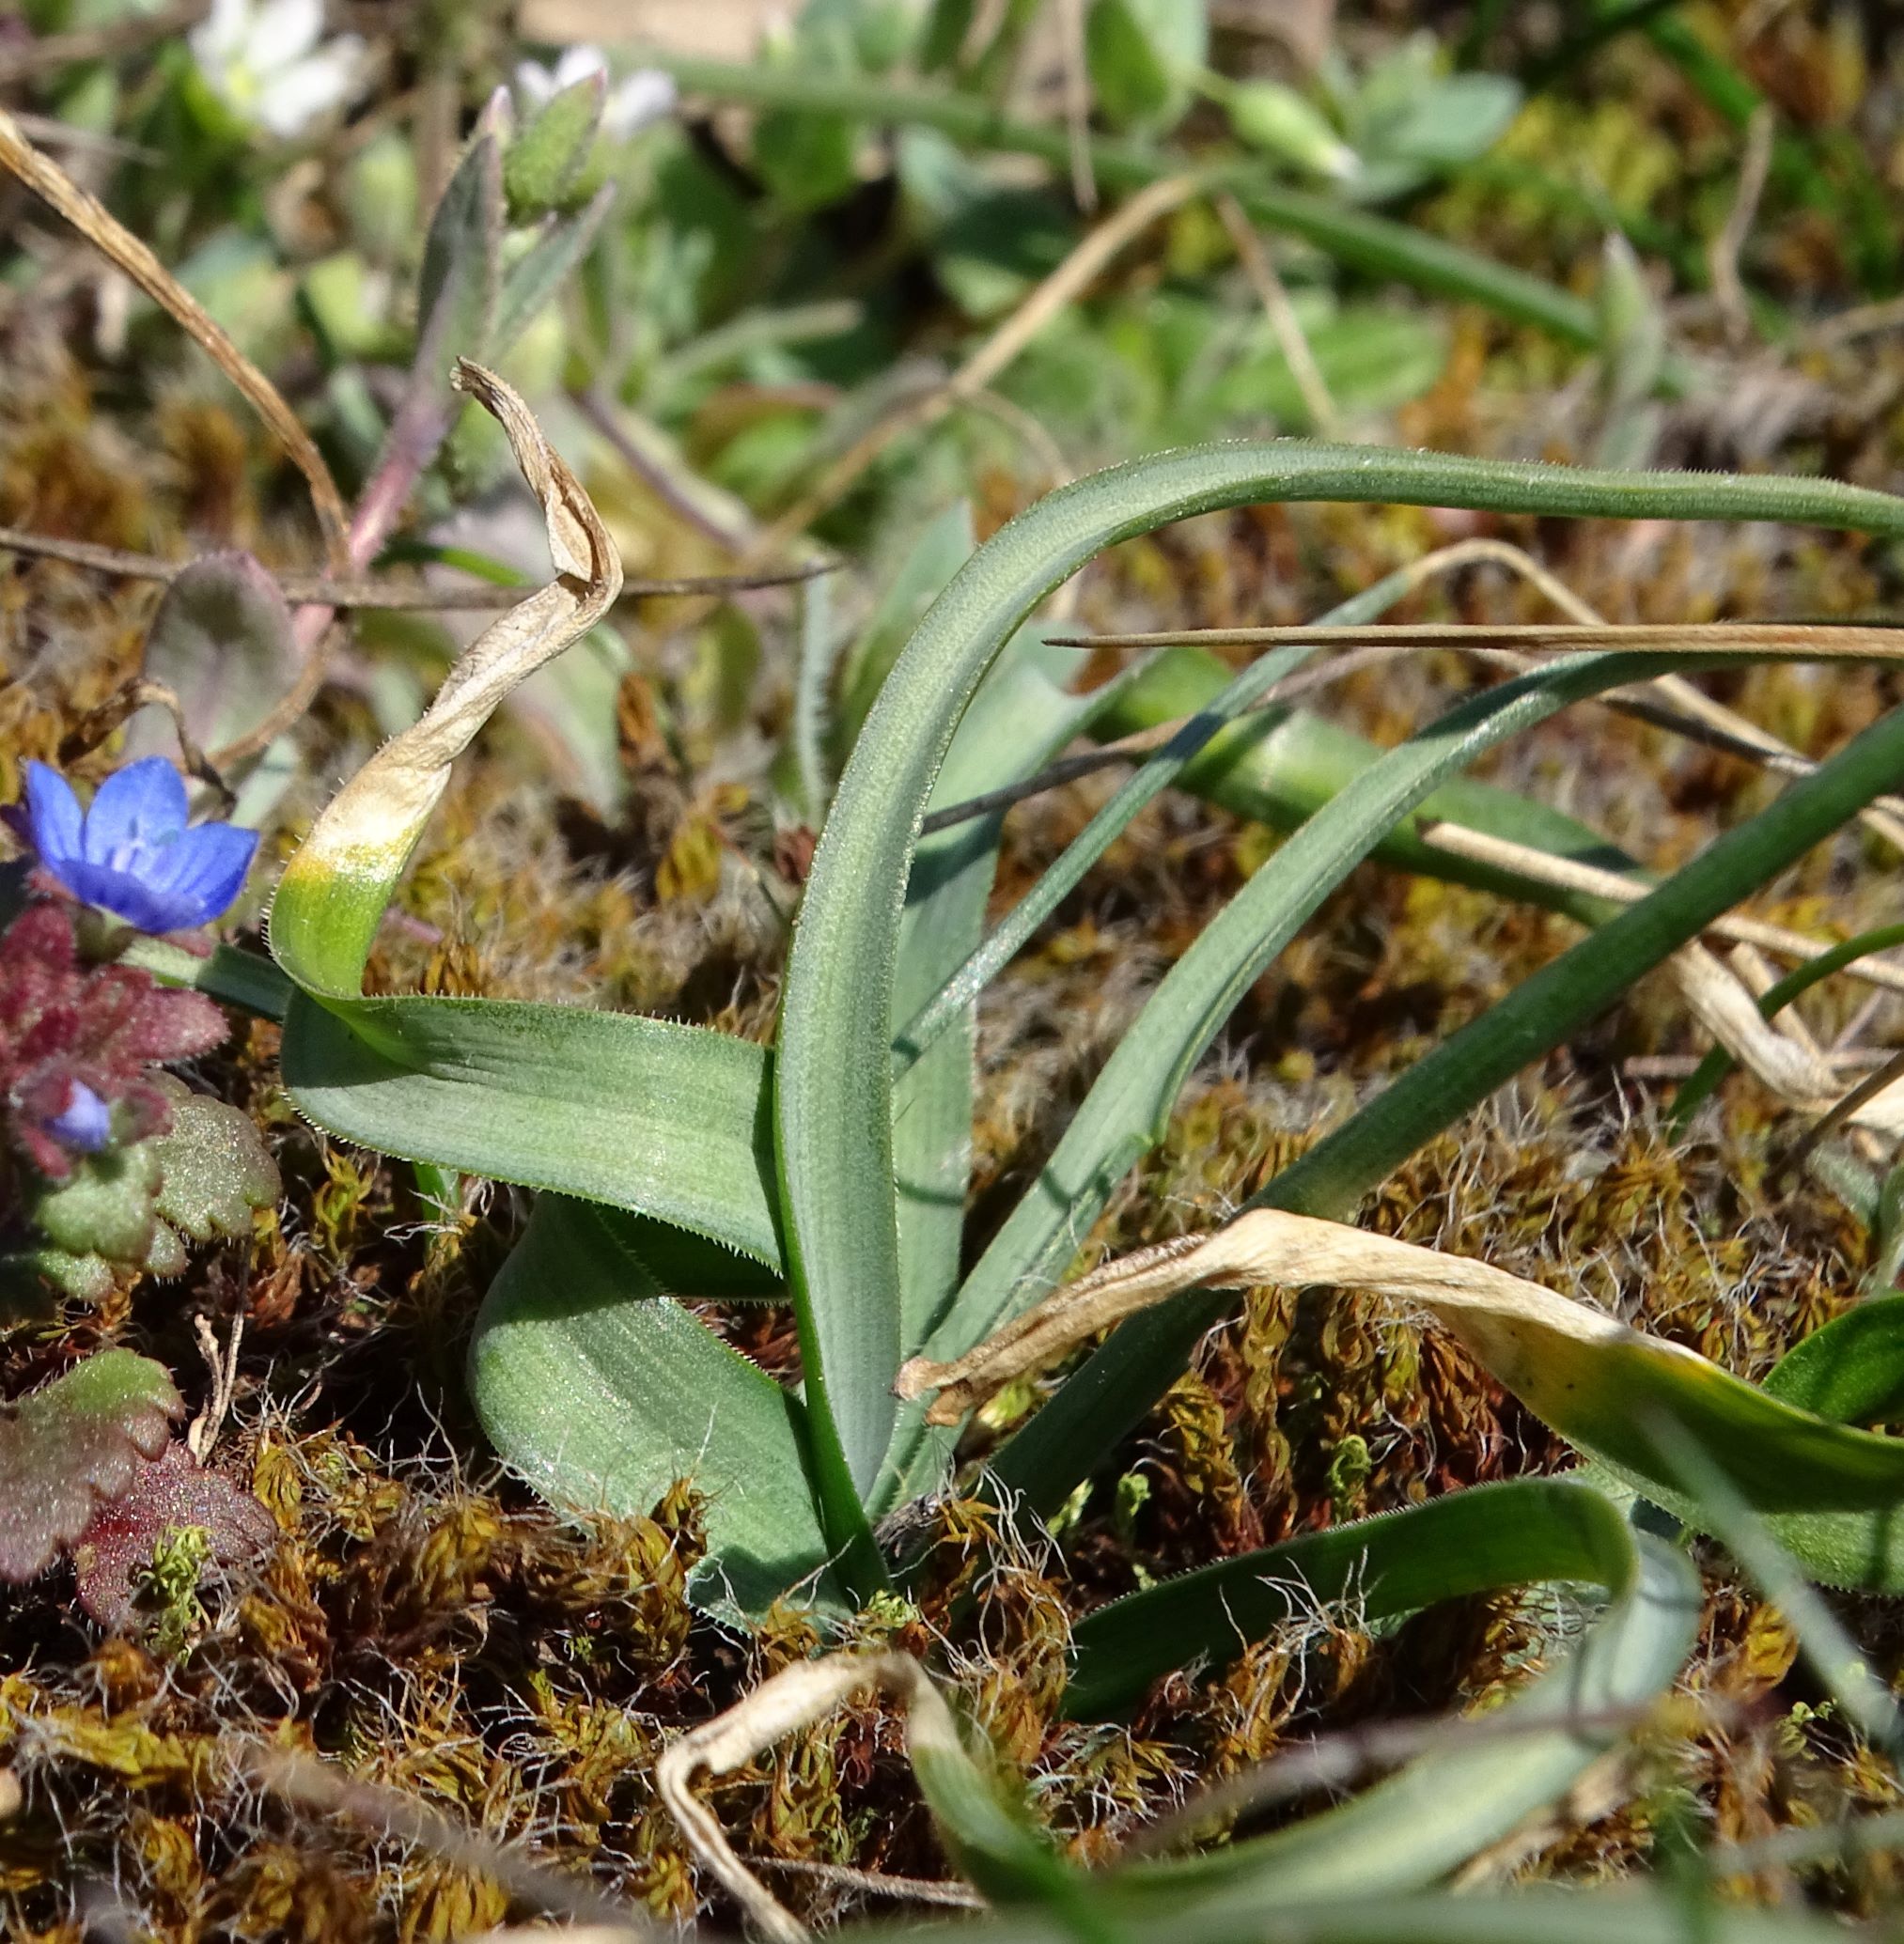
111	238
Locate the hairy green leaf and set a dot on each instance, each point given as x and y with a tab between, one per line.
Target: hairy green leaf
541	165
1852	1370
214	1167
72	1445
457	285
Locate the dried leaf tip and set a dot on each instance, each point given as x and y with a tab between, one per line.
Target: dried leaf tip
333	892
578	541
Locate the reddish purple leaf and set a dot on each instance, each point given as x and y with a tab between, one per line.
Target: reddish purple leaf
72	1445
171	1492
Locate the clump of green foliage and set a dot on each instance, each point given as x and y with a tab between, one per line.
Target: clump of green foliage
871	1065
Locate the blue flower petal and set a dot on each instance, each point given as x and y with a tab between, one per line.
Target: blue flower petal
53	812
137	811
144	907
206	867
85	1123
131	853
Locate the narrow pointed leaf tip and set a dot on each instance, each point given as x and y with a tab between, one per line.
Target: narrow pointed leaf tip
131	852
333	891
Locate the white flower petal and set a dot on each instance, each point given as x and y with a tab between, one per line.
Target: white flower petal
216	40
283	31
644	98
577	63
296	95
535	84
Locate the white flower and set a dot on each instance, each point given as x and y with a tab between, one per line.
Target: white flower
644	96
264	62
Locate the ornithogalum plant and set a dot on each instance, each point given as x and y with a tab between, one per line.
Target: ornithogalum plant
831	1168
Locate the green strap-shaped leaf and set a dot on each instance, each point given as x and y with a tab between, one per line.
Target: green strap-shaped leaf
1019	720
601	1390
1424	1822
1111	1392
1229	699
664	1120
834	1089
1475	1541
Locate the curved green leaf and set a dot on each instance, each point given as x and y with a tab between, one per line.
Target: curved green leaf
1427	1819
1114	1388
1279	768
601	1390
834	1090
1475	1541
1130	1102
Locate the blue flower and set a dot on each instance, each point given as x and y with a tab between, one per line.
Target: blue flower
85	1123
131	853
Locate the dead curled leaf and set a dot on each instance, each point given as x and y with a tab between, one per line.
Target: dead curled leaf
1514	1327
369	827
